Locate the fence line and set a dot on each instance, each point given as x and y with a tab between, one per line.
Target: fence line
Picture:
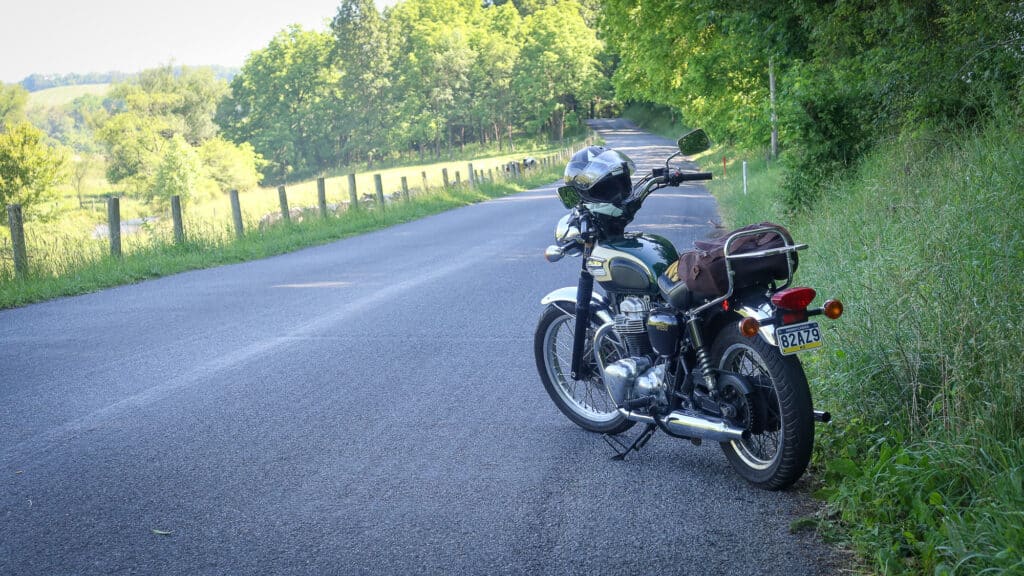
475	177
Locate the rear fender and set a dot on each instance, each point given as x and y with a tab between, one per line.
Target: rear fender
598	304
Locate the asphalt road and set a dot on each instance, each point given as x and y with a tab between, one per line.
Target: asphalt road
369	406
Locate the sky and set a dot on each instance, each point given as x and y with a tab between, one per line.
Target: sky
82	36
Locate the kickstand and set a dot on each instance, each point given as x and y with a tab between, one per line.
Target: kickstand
620	447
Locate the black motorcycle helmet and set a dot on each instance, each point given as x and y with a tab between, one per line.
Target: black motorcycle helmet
600	174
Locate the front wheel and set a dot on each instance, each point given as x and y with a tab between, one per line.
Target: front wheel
779	450
585	402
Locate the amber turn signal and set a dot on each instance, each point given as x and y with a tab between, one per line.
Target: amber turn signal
832	309
749	327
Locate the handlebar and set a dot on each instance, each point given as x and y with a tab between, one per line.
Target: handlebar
690	176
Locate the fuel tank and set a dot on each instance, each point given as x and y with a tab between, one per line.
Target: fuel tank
631	263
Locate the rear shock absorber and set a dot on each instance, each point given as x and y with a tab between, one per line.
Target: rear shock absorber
703	360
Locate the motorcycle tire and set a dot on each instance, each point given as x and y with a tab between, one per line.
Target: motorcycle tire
775	458
585	402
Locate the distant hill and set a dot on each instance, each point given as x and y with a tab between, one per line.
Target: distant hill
37	82
61	95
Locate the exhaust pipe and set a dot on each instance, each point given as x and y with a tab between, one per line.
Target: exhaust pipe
705	428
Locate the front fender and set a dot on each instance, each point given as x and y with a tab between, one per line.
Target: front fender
598	303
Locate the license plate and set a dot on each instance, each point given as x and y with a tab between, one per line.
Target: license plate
798	337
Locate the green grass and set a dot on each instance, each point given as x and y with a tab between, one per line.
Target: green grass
61	95
76	263
923	470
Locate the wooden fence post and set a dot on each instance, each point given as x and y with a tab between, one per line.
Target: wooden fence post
179	228
425	185
472	176
114	222
444	175
379	187
405	189
321	196
236	213
282	196
353	200
458	179
17	224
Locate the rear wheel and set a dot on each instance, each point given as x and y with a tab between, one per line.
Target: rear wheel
779	449
585	402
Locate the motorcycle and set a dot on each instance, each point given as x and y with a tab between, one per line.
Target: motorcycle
720	367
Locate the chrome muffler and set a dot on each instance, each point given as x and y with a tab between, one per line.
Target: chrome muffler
691	426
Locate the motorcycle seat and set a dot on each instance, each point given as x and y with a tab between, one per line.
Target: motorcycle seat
676	293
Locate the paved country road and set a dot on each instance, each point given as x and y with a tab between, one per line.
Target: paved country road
370	406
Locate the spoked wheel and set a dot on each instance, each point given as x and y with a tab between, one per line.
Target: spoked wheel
585	402
782	427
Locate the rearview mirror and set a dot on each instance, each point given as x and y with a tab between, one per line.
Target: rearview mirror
570	196
694	142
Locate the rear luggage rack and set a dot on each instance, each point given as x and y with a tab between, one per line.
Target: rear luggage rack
790	249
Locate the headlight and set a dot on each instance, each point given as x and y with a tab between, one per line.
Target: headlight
566	231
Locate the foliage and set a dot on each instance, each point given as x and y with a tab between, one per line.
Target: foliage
848	72
231	166
12	103
159	124
282	104
29	168
923	241
426	77
178	172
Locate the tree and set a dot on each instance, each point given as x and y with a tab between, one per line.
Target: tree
284	102
362	51
29	168
12	103
231	166
558	67
179	172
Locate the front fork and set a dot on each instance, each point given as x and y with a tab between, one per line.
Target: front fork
584	291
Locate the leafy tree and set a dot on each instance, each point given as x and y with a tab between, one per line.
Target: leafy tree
179	172
12	103
134	142
558	67
29	168
284	102
230	166
363	54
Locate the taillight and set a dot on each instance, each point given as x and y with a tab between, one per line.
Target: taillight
796	299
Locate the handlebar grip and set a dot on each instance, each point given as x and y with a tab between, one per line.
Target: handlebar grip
692	176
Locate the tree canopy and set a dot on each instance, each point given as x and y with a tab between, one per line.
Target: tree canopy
424	77
29	167
848	72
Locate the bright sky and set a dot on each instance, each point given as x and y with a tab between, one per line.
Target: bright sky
63	36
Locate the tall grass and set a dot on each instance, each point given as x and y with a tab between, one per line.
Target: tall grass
924	468
69	263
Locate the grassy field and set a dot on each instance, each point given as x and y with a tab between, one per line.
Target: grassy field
61	95
923	469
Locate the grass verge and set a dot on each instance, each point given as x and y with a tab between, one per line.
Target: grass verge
923	469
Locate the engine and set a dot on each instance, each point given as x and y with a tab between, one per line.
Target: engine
641	374
631	326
